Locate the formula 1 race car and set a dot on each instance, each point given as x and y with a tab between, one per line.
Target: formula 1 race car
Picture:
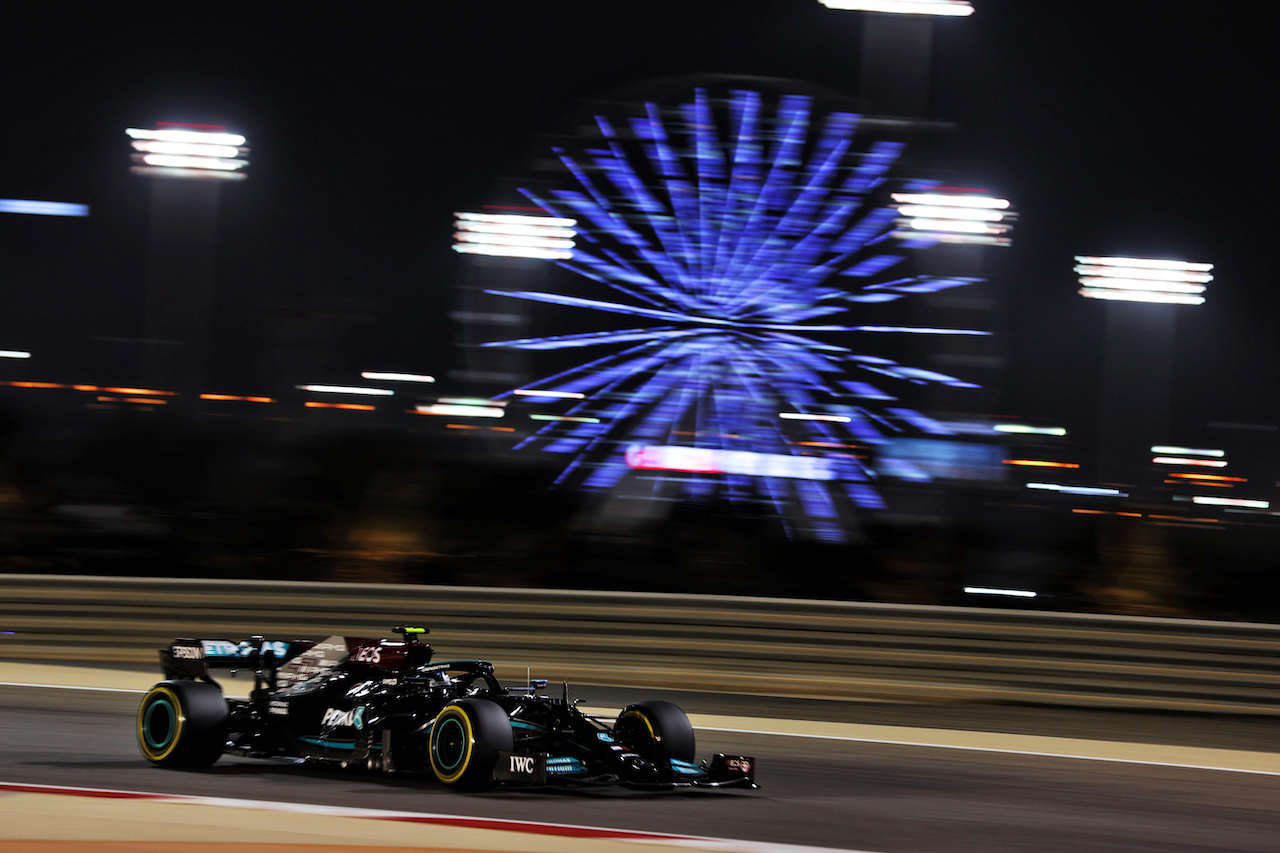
384	705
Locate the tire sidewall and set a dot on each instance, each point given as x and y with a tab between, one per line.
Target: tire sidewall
182	723
465	740
665	726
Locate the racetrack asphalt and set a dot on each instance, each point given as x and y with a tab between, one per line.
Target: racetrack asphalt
978	768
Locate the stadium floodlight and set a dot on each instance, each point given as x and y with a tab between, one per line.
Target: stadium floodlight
43	208
945	217
175	151
1143	280
953	8
514	236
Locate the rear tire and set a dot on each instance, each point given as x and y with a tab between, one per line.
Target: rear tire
466	737
182	724
657	731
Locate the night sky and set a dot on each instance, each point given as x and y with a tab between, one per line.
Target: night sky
1125	128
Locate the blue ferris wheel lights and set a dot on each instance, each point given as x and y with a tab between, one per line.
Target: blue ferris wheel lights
734	240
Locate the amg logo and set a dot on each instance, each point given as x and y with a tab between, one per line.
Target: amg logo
522	764
188	652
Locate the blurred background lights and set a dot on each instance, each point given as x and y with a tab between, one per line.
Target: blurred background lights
1143	280
188	152
954	8
347	389
14	353
513	235
1026	429
42	208
1210	500
986	590
396	377
460	410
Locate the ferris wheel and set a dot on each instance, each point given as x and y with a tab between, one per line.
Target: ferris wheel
707	298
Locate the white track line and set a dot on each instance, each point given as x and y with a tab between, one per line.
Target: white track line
1003	750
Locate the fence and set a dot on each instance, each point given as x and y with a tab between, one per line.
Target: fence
761	646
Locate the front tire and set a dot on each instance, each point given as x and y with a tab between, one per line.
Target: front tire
466	737
182	724
657	731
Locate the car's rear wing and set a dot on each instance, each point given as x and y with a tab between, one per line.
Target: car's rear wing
191	658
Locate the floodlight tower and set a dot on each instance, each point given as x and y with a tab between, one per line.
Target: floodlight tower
187	166
956	224
897	44
1142	297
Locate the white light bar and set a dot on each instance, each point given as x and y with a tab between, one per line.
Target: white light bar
1079	490
347	389
14	353
533	392
1209	500
514	236
198	137
513	251
953	217
573	418
397	377
43	208
986	590
457	411
971	201
186	153
1181	460
1143	280
954	8
803	416
1024	429
1189	451
707	460
516	219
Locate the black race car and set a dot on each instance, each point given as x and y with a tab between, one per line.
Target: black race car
385	705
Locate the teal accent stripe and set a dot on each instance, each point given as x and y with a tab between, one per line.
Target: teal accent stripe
337	744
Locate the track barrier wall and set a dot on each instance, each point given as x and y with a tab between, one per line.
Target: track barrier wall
760	646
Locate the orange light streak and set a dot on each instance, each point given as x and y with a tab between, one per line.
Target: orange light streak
1188	476
359	407
147	391
234	397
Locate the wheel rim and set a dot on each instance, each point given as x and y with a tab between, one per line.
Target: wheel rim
451	745
636	731
159	724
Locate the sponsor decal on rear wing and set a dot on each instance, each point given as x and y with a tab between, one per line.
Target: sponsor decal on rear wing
190	658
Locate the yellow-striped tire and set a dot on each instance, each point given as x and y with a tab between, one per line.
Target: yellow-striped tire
466	737
182	724
656	730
